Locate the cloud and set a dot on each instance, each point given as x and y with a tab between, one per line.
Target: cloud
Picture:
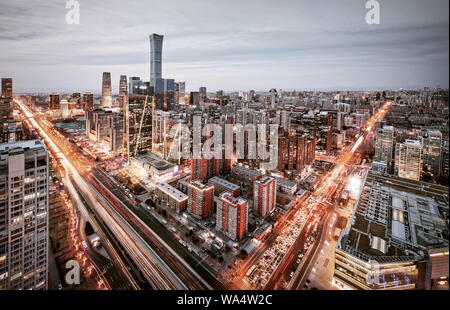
227	44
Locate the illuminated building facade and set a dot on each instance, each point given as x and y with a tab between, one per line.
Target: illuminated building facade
7	88
138	117
88	102
106	90
295	151
24	216
200	201
409	159
395	228
232	215
264	195
384	145
171	196
123	92
432	151
53	101
202	94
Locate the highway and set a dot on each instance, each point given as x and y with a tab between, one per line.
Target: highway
154	269
330	184
326	191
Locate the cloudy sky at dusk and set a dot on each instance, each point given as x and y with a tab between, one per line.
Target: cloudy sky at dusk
230	45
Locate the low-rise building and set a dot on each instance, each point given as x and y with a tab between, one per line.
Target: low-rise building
156	167
286	186
170	195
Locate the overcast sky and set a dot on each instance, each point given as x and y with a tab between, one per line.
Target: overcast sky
227	44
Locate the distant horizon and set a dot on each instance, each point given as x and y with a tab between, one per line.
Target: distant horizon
98	92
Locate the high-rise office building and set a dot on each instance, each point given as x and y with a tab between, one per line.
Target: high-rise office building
194	98
264	195
163	89
138	117
133	85
105	126
273	98
7	88
76	99
177	92
106	90
409	159
169	95
24	230
88	101
123	92
200	201
11	131
182	92
384	145
156	43
202	94
432	151
53	101
115	136
232	215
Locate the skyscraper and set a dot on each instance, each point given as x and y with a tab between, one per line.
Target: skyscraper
193	98
232	215
177	93
7	88
264	195
138	118
169	94
432	150
24	215
202	94
273	97
156	42
53	102
409	159
384	145
123	92
182	92
88	101
106	90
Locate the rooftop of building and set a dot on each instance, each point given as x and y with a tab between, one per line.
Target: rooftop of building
247	170
172	191
397	219
223	182
25	145
198	184
286	182
265	179
155	161
230	199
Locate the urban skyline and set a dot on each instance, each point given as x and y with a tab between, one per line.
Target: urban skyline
153	184
329	45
